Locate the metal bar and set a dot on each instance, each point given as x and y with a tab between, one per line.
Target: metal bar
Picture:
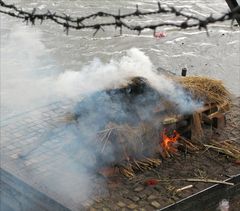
184	71
232	5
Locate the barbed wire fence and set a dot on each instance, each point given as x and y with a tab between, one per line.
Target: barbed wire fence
80	23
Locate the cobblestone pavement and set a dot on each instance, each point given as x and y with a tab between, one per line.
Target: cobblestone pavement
33	147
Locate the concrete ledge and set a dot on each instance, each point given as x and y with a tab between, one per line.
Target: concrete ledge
17	195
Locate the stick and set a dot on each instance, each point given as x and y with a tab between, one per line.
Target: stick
108	134
210	181
139	167
188	143
222	150
184	188
199	180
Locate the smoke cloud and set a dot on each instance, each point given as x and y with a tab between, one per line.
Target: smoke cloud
27	68
27	73
31	78
97	76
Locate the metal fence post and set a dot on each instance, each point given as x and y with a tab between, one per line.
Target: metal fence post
232	5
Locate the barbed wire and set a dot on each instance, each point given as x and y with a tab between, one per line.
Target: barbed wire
79	23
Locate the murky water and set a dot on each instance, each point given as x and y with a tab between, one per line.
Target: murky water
215	56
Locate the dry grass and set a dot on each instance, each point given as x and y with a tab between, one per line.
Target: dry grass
206	89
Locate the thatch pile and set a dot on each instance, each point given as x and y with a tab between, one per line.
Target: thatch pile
206	89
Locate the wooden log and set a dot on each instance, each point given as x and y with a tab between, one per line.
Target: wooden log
170	120
219	122
175	119
196	129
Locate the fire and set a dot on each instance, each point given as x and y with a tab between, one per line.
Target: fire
167	143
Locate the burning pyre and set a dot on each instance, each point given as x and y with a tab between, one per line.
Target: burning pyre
132	125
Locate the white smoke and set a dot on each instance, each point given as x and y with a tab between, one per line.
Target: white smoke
27	77
98	76
30	79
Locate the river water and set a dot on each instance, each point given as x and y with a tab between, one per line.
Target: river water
46	49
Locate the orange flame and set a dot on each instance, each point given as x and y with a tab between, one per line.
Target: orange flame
167	143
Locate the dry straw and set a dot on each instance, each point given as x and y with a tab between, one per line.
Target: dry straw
206	89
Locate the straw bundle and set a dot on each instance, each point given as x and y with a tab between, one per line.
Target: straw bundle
135	147
133	166
128	141
206	89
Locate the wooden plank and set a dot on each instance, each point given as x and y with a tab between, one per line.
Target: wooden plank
206	107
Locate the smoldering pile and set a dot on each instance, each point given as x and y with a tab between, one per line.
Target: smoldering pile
124	126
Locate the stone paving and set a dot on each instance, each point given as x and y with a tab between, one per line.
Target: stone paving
21	135
34	148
